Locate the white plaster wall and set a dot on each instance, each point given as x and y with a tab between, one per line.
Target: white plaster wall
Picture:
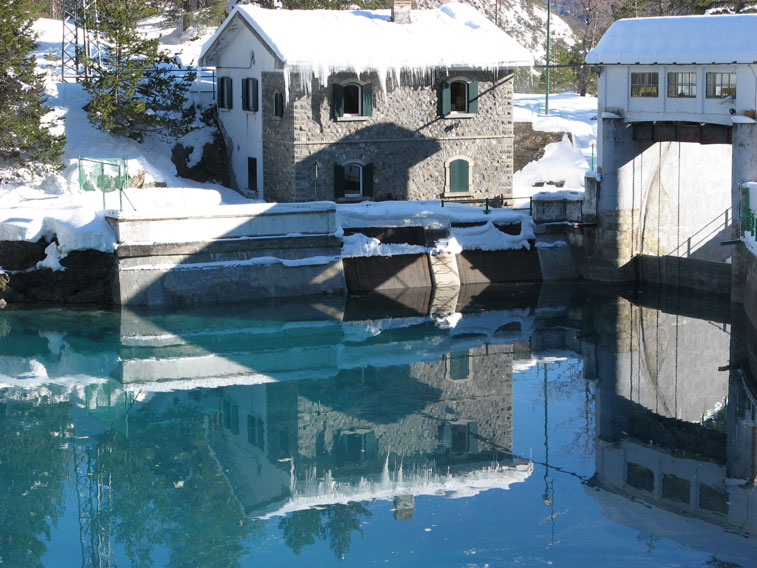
244	57
615	93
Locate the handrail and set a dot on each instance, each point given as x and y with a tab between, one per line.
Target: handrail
499	202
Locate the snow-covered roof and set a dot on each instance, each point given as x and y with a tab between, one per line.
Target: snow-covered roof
323	41
681	39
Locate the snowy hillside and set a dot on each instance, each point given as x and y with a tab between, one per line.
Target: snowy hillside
524	20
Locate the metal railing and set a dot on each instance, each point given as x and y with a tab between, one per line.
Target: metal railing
500	202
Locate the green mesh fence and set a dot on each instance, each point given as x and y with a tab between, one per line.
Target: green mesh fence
105	175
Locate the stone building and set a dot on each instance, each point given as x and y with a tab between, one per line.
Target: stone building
352	105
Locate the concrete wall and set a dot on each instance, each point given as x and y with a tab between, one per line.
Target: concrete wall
658	198
405	138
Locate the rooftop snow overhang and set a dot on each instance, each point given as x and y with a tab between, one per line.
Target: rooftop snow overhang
679	40
360	40
225	34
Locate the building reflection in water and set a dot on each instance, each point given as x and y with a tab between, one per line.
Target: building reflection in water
676	419
306	412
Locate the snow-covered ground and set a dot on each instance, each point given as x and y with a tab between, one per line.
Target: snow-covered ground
33	206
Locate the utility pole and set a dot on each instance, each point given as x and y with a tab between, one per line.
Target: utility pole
546	94
76	16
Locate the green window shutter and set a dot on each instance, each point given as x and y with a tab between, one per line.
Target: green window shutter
368	180
252	173
229	93
446	99
254	94
338	181
458	175
338	100
367	99
473	96
221	93
246	94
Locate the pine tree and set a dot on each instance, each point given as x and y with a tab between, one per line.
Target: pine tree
23	137
134	87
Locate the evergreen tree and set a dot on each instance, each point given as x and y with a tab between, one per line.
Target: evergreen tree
22	136
199	12
134	87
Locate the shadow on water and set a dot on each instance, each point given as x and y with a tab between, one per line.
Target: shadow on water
293	420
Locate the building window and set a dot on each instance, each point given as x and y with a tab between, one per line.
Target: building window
458	438
713	500
676	488
255	431
231	416
278	104
353	180
225	93
639	477
644	84
682	85
250	94
721	85
252	174
458	366
353	99
458	175
459	96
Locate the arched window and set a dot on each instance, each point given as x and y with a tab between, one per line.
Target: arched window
278	104
353	180
459	175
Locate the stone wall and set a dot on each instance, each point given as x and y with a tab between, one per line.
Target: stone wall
430	399
406	139
278	150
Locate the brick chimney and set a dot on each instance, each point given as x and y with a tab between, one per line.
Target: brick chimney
402	11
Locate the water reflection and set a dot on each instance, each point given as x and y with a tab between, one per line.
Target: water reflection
201	437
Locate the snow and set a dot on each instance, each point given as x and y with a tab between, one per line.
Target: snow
52	258
678	40
314	41
564	161
53	207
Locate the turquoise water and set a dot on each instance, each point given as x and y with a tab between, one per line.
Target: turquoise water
522	426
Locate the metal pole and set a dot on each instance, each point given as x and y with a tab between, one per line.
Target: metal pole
315	197
546	97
